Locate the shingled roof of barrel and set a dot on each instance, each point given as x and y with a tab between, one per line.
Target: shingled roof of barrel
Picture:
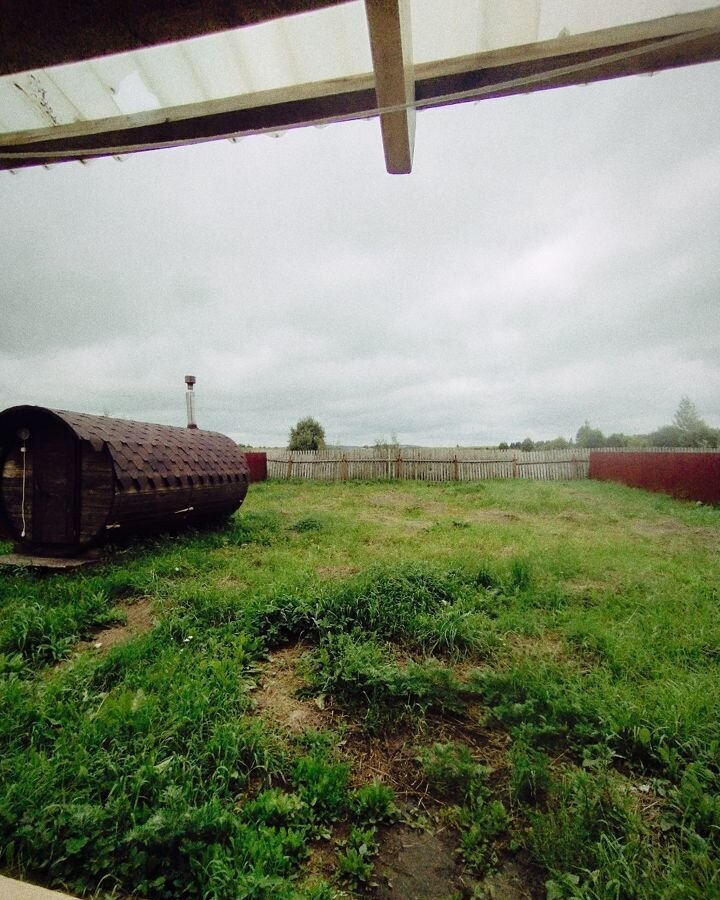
141	451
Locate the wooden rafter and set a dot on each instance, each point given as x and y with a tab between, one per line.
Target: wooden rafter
391	46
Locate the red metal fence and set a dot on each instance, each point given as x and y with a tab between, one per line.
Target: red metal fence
688	476
258	466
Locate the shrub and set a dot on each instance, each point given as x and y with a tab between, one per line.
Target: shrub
374	803
452	771
355	866
322	785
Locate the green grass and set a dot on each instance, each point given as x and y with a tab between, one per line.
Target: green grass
573	625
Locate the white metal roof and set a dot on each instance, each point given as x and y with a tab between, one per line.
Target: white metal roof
68	111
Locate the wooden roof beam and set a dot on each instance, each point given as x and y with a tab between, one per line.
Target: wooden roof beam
391	47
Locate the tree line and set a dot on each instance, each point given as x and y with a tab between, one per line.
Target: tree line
687	429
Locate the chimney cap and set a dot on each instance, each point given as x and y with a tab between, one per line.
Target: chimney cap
190	379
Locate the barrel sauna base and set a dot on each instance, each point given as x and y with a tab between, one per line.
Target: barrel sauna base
56	563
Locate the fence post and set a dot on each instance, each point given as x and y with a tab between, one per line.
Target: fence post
514	475
398	465
343	468
289	465
574	461
456	468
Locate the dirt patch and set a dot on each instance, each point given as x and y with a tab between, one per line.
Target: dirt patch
491	515
337	571
547	645
277	698
660	528
649	805
408	505
139	619
671	528
417	865
390	757
512	881
573	517
230	581
393	756
398	522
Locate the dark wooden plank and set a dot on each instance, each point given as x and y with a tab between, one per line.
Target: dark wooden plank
53	452
96	491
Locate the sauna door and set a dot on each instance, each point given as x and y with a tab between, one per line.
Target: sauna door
54	473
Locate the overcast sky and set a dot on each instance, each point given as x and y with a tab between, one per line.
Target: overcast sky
553	258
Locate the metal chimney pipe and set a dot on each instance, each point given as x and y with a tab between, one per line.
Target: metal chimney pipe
190	401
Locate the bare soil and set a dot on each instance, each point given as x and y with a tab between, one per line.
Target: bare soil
417	865
277	698
139	619
412	864
512	881
337	571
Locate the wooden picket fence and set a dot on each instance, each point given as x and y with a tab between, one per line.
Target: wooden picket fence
426	464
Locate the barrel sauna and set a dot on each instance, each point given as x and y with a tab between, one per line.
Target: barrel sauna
69	481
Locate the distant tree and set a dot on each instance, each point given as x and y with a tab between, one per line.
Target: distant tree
308	434
558	443
707	437
384	444
527	445
667	436
589	437
617	440
503	445
686	416
687	430
696	432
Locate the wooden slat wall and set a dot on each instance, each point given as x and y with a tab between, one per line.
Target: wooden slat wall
426	464
96	490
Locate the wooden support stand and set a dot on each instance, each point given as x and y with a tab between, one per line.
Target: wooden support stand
55	563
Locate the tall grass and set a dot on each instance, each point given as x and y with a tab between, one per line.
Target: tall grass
575	625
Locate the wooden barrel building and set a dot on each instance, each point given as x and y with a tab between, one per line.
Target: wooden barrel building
68	480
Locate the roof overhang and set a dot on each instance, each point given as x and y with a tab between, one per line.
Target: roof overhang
181	73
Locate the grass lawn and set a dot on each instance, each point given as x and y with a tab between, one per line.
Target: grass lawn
508	689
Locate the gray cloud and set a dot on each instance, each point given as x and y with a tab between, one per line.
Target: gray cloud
552	258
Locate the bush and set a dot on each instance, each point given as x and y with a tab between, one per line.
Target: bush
308	434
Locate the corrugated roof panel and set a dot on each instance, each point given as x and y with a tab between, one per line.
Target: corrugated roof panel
462	27
218	65
43	97
326	44
559	18
85	91
16	112
124	84
453	33
328	49
167	74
